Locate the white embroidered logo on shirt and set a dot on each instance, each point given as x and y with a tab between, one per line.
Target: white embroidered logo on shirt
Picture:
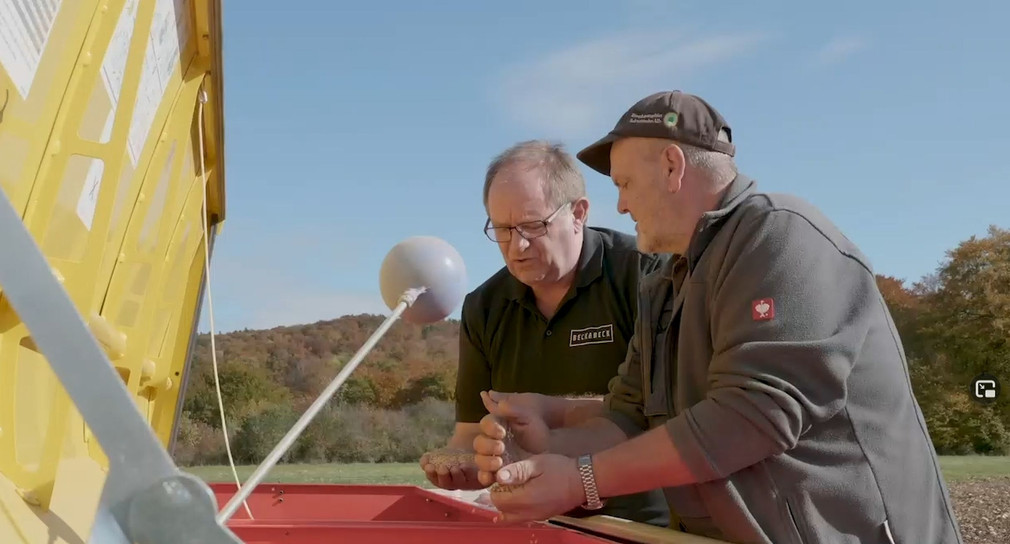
601	334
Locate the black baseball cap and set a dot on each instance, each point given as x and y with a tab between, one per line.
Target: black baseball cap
672	115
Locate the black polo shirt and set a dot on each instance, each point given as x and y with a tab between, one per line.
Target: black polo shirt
507	344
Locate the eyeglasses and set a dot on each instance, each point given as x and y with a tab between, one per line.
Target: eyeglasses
528	230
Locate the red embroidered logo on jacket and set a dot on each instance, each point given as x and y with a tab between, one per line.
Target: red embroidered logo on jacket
763	309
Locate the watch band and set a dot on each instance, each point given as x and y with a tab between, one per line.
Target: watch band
585	464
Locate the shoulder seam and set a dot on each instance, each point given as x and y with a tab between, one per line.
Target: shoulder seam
850	256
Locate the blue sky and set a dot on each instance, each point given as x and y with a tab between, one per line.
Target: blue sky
367	125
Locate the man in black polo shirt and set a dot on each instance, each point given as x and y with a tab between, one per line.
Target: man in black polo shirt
557	319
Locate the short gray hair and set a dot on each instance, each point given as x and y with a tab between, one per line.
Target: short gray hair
718	166
562	179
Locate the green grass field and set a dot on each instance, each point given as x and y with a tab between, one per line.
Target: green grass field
969	467
350	473
954	469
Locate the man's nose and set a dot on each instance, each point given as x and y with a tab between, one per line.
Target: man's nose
518	243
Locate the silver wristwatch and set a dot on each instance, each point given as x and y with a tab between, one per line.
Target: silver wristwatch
593	502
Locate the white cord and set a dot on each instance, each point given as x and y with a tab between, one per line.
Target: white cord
210	305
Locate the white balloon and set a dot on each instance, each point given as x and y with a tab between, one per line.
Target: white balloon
428	262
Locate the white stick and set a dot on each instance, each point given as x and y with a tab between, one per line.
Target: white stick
408	298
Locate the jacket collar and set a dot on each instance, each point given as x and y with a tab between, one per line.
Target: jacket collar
708	226
589	267
739	190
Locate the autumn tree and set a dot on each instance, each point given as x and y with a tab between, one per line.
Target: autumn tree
434	385
905	305
245	390
964	327
970	312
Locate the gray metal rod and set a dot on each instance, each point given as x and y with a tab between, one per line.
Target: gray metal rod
282	447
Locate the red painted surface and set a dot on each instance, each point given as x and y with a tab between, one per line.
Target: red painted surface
379	514
317	502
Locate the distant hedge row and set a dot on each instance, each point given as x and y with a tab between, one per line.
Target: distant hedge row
341	433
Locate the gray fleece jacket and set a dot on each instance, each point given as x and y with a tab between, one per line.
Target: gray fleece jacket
783	383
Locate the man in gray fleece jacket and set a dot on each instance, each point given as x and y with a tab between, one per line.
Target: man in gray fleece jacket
765	390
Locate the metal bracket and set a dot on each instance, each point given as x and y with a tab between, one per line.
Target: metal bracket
146	498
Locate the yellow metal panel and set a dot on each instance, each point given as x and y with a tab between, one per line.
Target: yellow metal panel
32	85
138	278
98	149
150	280
177	311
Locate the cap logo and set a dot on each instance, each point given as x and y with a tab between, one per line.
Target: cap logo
646	118
670	119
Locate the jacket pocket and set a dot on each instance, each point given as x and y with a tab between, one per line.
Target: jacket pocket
689	511
654	409
806	527
796	527
656	405
887	532
791	522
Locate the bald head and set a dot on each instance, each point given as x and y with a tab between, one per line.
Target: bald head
557	171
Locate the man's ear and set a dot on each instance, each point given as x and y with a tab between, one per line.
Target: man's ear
580	213
674	166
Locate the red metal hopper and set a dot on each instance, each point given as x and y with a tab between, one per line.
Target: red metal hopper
324	514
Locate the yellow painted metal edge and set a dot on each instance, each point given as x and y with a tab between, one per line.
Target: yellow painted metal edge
208	20
210	44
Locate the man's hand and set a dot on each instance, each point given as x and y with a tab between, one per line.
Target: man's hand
537	488
451	468
556	412
549	409
529	431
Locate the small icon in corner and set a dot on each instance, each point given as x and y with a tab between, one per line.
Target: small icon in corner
985	388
